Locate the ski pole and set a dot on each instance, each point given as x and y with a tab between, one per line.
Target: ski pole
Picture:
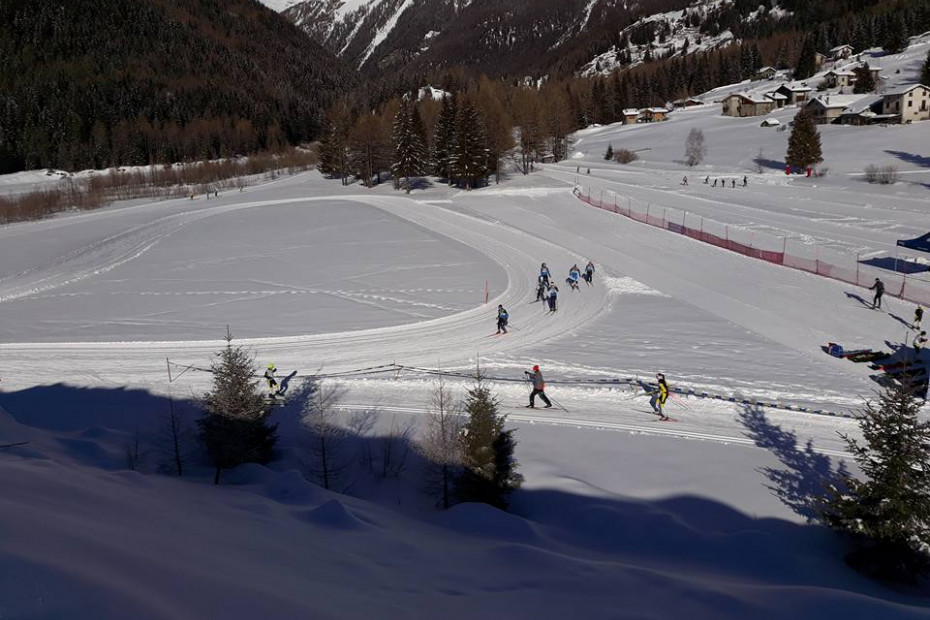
558	404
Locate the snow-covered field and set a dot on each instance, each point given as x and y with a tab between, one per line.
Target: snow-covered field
621	516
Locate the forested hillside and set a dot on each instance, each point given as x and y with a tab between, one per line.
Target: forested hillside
93	83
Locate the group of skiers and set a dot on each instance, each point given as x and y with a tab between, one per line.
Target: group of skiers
547	290
722	182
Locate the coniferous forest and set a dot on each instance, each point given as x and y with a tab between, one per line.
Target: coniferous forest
97	83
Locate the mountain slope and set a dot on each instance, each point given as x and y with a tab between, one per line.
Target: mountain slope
91	83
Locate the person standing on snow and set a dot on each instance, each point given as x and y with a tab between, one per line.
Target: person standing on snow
502	317
745	180
918	317
539	387
659	396
272	381
589	273
553	296
684	181
879	288
573	274
544	273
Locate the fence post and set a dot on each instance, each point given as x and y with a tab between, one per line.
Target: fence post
601	202
647	212
752	236
857	269
903	285
817	262
629	207
664	219
702	226
726	233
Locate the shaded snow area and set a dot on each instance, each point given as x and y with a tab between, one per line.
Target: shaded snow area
620	516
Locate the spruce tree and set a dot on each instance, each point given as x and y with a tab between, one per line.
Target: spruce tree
888	513
895	39
444	139
925	73
804	143
865	83
470	155
409	144
807	61
609	154
489	473
234	428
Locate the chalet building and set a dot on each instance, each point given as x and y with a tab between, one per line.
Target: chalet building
745	104
767	73
779	99
690	102
910	103
630	116
839	79
821	59
841	51
827	109
795	93
865	111
653	115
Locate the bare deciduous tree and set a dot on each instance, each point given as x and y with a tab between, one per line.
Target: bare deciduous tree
328	463
694	147
440	444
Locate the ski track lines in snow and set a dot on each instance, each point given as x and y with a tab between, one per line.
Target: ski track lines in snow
460	336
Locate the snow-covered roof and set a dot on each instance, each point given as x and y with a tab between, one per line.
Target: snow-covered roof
766	69
630	112
862	105
840	48
775	95
796	88
841	72
836	101
657	110
752	97
904	89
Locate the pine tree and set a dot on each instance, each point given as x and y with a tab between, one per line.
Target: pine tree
409	151
444	138
234	428
804	143
865	82
609	155
807	61
895	39
470	155
925	73
335	156
887	513
490	474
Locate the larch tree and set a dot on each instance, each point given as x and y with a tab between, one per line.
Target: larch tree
335	154
444	138
695	150
498	127
369	144
440	444
526	115
807	60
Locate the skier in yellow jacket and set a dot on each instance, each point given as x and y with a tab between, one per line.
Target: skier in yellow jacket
659	396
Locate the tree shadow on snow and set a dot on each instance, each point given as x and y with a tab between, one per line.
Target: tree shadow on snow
771	164
898	265
911	158
801	483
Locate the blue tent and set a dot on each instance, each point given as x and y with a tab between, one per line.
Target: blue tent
920	243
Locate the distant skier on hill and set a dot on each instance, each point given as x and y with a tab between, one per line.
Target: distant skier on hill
553	296
589	273
659	396
502	318
544	273
573	274
539	387
541	289
879	288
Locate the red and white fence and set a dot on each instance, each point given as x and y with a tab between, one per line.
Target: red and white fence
772	249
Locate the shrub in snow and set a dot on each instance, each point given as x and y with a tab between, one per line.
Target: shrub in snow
489	473
624	156
884	175
234	428
440	443
888	513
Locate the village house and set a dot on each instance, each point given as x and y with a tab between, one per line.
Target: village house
910	103
745	104
827	109
841	51
690	102
767	73
820	59
630	116
653	115
839	79
778	98
865	111
795	93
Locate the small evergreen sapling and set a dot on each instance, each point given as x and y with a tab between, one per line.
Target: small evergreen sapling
234	428
609	155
